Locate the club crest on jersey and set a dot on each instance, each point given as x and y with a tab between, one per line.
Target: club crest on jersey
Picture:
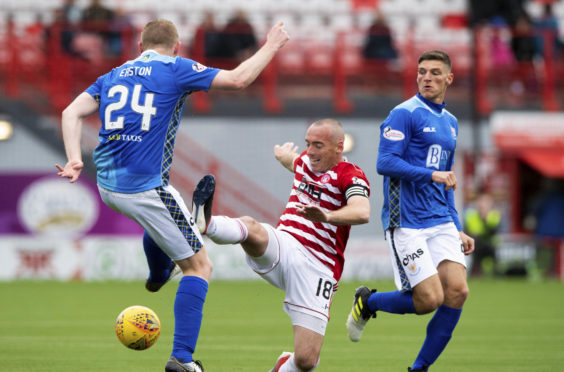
325	178
393	134
198	67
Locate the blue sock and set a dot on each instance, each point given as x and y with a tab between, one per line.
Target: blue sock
439	332
188	308
395	302
159	263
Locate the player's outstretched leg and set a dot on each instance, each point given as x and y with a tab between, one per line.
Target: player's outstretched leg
155	286
174	365
283	358
161	267
360	313
202	200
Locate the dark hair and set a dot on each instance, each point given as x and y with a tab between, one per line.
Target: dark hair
436	55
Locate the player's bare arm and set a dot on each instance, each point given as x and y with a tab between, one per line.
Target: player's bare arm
244	74
356	212
446	178
467	243
286	154
84	105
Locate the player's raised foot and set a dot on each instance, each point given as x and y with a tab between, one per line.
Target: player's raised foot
283	358
202	200
155	286
424	369
175	365
360	313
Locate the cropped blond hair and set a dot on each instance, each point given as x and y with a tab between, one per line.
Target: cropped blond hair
159	33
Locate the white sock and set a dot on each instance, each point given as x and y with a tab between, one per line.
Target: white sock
290	366
226	230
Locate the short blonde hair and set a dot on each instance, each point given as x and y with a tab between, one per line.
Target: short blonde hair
159	33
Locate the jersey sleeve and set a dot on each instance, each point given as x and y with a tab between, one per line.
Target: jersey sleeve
299	160
395	133
96	88
354	182
193	76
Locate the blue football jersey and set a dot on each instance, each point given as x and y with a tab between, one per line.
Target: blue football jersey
141	103
417	138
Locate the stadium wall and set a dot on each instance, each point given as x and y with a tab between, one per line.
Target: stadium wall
50	229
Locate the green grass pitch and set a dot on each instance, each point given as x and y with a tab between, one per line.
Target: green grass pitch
506	325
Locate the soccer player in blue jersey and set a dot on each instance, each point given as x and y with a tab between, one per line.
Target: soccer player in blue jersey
140	104
427	244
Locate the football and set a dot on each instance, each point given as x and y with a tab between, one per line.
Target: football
138	327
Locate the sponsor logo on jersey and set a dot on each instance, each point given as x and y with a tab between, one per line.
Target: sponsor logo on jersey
453	132
309	191
434	156
429	129
393	134
198	67
125	138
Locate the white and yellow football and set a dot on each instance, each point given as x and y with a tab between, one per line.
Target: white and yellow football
138	327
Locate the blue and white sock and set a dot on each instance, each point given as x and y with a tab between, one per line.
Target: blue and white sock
395	302
159	263
439	332
188	312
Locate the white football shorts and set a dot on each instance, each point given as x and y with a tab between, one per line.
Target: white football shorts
308	284
164	216
416	253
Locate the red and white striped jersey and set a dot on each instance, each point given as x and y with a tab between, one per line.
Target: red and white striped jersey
329	191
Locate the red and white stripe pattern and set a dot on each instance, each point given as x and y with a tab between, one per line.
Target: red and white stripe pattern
329	191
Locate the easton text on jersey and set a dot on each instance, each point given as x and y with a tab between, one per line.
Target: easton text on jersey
136	71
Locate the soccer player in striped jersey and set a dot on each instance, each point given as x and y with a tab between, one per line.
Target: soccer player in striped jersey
426	241
303	255
140	104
